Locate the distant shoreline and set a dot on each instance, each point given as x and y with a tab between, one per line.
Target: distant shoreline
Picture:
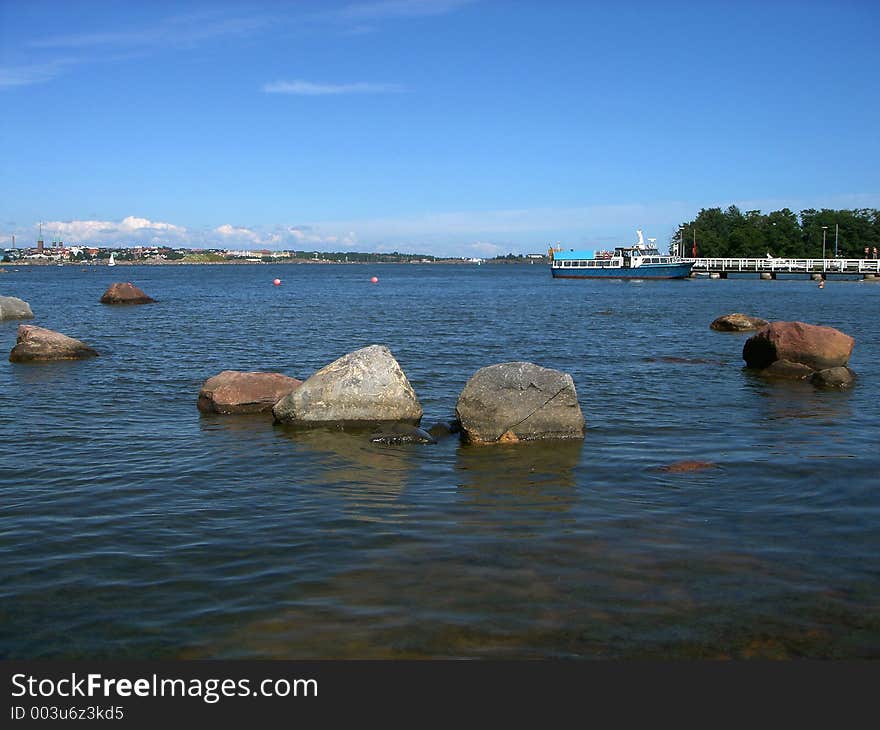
311	262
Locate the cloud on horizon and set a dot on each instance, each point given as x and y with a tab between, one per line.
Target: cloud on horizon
134	231
462	233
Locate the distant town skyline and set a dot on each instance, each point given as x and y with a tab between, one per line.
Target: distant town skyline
443	127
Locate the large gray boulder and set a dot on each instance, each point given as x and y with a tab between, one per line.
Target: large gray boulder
365	386
14	308
233	391
519	401
36	344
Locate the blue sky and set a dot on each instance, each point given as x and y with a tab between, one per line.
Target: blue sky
452	127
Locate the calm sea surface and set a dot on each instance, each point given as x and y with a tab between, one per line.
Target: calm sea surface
132	526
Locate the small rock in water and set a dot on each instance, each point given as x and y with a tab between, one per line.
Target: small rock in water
688	466
737	322
125	293
839	378
445	428
403	433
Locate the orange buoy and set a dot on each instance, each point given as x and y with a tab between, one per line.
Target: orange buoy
277	282
375	280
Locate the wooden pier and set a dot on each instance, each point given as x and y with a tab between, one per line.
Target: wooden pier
770	268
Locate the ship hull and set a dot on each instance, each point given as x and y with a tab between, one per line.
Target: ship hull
675	271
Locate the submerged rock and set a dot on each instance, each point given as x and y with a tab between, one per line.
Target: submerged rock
364	386
680	467
519	401
737	322
36	344
787	369
812	345
835	378
445	428
125	293
403	433
14	308
233	391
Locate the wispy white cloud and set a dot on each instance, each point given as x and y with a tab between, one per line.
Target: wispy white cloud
398	9
14	76
110	46
310	88
169	31
312	236
485	248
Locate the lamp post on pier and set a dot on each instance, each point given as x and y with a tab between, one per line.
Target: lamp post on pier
681	241
824	229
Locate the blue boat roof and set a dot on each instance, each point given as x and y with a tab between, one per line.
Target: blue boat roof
581	254
573	255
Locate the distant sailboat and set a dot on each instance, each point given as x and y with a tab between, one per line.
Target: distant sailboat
111	262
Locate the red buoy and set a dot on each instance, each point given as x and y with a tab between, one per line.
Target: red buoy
375	280
277	282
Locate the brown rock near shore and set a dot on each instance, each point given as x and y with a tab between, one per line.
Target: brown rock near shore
737	322
125	293
36	344
233	392
812	345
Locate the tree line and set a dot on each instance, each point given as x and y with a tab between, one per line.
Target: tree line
782	233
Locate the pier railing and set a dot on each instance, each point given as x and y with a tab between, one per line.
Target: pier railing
782	265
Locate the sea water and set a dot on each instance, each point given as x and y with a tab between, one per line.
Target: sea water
132	526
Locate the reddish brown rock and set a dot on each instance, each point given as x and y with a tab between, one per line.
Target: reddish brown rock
233	391
737	322
36	344
125	293
808	344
